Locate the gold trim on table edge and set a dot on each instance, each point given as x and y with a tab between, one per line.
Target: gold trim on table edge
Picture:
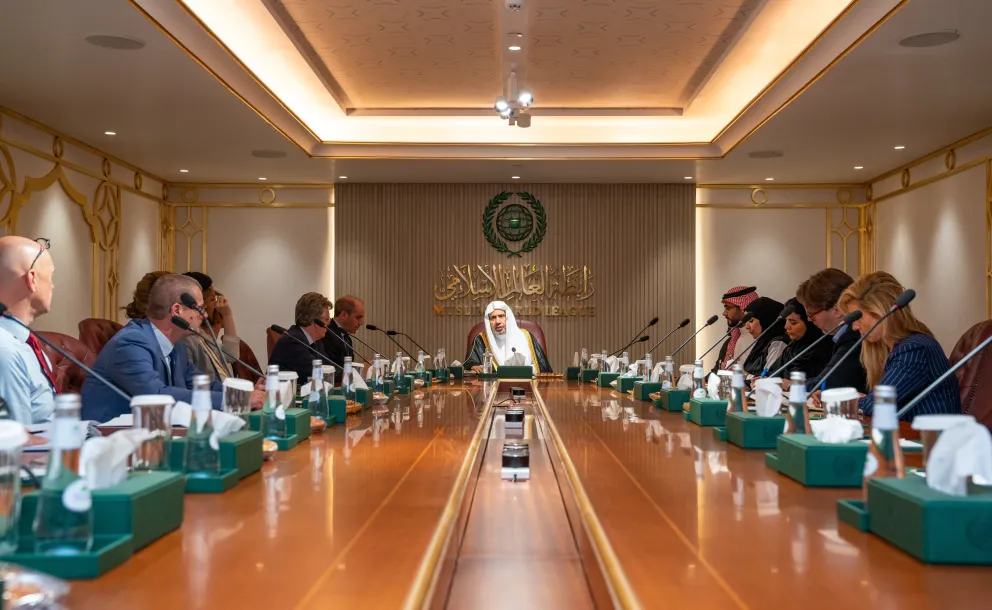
422	589
616	579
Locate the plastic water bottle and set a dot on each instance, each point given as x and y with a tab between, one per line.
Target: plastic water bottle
795	416
202	444
317	402
273	414
63	523
697	380
736	402
346	386
398	371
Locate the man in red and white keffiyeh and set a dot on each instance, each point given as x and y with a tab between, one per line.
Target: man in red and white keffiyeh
734	302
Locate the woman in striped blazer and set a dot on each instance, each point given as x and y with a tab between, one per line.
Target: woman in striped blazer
902	351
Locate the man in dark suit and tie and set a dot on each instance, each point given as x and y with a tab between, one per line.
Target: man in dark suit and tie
289	354
349	315
141	358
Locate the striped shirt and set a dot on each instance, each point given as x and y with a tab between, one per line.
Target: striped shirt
915	363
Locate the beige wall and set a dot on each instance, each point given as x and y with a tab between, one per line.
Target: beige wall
392	241
103	227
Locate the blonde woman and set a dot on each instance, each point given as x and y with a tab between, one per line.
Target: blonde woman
902	351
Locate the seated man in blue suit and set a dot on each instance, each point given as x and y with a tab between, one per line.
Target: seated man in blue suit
141	358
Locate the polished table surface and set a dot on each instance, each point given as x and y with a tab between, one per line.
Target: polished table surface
700	523
345	519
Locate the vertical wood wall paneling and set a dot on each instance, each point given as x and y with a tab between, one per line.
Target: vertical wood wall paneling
392	240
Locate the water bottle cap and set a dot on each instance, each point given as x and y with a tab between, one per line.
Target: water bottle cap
272	369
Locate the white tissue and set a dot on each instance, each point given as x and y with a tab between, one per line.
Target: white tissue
836	430
657	372
305	390
357	383
768	397
517	359
612	364
633	369
103	459
962	451
575	360
223	423
685	379
713	386
456	363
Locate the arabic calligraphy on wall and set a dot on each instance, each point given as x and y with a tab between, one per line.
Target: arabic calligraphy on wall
532	290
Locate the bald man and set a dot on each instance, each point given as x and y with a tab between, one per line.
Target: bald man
349	316
26	286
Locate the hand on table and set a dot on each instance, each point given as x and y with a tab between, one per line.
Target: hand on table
257	399
260	384
814	399
34	439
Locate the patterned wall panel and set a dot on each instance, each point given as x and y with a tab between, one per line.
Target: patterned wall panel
393	241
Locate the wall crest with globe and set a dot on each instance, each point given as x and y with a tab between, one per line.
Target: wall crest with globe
514	223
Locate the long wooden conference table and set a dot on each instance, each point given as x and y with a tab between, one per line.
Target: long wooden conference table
626	507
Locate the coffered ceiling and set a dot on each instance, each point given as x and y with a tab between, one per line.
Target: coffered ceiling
455	53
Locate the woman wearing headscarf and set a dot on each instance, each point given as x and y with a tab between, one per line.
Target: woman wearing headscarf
801	336
764	316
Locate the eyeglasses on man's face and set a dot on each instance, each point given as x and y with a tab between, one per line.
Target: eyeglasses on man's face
45	244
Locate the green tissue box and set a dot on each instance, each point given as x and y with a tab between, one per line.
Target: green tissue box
441	375
815	464
750	431
720	433
604	380
457	371
589	375
240	456
626	384
707	412
108	552
673	400
297	426
147	506
853	513
361	396
771	461
488	376
337	406
644	389
338	391
930	525
515	372
572	373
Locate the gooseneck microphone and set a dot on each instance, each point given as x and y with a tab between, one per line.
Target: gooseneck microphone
393	333
65	354
188	301
709	322
682	324
849	319
786	311
725	335
901	301
351	348
185	325
279	330
653	321
382	330
940	379
641	340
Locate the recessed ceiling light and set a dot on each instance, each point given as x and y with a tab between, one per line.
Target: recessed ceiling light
514	47
261	178
899	147
110	133
342	177
515	35
688	177
116	43
859	167
769	179
930	39
184	171
515	177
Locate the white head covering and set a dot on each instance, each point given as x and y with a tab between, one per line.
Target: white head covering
503	345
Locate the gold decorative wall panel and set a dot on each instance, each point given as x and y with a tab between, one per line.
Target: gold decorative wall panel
392	240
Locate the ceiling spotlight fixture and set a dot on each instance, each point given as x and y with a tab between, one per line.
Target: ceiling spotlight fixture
116	43
261	178
930	39
859	167
513	104
184	171
514	5
769	179
515	177
688	177
110	133
899	147
342	177
514	47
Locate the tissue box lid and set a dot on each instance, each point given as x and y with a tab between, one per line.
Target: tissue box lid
913	488
138	484
809	443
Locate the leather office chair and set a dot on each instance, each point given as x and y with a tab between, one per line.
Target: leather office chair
975	377
96	332
68	377
248	356
271	337
529	325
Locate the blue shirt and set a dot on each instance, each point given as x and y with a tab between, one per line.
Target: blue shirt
840	332
913	364
23	383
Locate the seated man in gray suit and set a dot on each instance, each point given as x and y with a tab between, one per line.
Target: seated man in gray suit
141	358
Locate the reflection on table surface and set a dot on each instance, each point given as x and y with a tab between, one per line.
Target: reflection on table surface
696	522
344	517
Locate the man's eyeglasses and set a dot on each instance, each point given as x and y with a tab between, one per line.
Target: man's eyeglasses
46	244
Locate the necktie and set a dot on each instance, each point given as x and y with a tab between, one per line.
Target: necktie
170	365
36	348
